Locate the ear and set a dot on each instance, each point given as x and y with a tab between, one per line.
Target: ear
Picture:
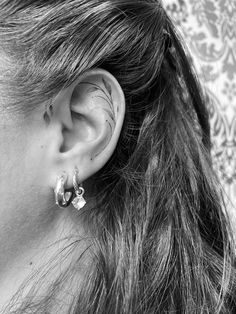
87	121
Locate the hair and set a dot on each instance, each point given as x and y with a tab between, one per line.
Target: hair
162	238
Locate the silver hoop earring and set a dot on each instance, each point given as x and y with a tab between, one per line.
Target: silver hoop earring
78	202
62	198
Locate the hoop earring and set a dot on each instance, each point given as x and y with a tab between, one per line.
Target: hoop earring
78	202
62	198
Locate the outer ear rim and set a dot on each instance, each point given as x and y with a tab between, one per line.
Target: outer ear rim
121	109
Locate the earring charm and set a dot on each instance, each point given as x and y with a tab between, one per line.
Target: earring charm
79	201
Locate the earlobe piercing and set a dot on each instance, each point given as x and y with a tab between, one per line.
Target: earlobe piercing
78	202
62	198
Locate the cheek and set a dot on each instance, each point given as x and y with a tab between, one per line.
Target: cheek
20	154
20	158
13	183
12	156
24	213
21	162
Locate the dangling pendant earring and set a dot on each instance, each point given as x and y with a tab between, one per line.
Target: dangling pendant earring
78	202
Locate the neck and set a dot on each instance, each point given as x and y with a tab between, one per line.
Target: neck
42	259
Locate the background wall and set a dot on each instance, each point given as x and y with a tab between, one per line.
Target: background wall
209	29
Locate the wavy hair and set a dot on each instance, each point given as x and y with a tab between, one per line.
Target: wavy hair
162	239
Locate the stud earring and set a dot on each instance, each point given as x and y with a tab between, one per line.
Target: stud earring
62	198
78	202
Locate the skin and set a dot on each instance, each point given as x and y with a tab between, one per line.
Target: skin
79	128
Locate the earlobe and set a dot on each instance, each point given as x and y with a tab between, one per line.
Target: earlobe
91	113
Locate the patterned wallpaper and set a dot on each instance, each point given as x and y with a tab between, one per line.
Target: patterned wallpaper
209	29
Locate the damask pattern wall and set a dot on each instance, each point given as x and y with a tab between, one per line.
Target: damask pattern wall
209	29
